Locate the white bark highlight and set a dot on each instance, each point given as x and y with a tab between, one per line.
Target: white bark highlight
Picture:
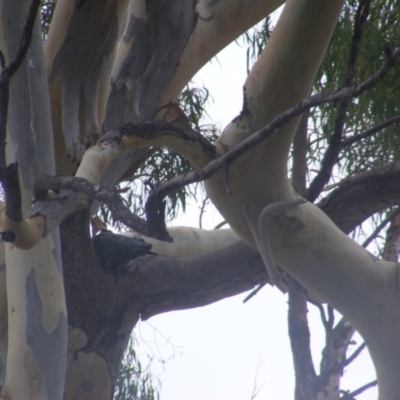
190	242
219	23
28	232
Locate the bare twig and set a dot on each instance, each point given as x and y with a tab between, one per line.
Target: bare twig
220	225
253	292
356	353
384	222
159	194
369	132
351	396
331	155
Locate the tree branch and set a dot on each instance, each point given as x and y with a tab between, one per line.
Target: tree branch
359	197
337	341
369	132
375	233
392	242
273	127
119	211
299	334
351	396
356	353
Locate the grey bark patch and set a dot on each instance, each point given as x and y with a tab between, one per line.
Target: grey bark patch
49	349
288	223
2	267
148	69
29	119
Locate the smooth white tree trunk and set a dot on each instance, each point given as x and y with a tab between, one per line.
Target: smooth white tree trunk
37	320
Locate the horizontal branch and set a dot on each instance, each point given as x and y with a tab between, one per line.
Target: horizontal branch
273	127
119	210
148	131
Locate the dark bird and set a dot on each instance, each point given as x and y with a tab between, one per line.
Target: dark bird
116	250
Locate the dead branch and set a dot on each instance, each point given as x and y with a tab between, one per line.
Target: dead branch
351	396
119	211
356	353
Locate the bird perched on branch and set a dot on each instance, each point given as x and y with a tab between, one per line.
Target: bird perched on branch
117	250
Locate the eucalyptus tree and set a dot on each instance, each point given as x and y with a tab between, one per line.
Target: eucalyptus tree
115	70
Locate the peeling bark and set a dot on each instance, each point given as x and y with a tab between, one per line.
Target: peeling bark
35	292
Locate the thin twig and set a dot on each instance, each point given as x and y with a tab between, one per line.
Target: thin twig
350	396
212	167
253	292
369	132
356	353
384	222
321	309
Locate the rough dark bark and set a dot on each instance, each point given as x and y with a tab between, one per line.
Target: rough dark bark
359	197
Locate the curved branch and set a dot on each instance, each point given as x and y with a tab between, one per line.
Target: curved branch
270	129
357	198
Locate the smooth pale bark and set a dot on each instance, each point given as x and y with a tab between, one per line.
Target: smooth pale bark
37	328
219	23
280	78
96	77
304	241
190	242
